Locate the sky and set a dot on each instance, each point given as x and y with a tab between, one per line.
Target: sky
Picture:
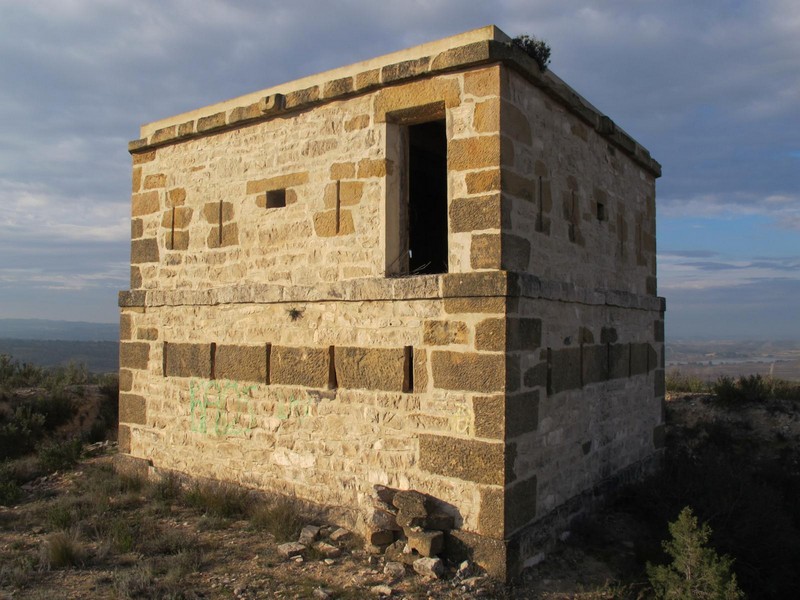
711	88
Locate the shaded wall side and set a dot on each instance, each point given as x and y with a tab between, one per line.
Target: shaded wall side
580	210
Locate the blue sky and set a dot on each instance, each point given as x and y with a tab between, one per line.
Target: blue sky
711	88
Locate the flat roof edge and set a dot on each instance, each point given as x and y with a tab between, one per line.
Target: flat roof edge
480	46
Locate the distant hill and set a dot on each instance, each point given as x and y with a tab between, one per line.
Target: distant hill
97	357
43	329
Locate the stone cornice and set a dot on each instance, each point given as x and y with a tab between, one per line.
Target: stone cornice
487	51
425	287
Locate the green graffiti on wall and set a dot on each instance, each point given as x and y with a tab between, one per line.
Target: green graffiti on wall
225	407
221	407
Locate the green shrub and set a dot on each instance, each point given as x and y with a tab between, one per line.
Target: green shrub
10	491
676	381
537	49
696	571
58	456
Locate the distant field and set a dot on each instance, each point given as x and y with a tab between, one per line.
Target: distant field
98	357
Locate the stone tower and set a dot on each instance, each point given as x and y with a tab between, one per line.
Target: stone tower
432	270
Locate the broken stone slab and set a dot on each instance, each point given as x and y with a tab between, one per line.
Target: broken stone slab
426	543
291	549
399	552
440	521
339	534
381	537
327	550
384	494
432	568
308	535
381	590
395	570
383	519
412	508
473	583
322	594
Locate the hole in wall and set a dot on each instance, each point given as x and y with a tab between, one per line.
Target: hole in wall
276	198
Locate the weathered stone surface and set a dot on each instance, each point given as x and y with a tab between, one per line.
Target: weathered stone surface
125	380
486	251
426	543
156	180
211	122
482	182
393	101
465	154
327	550
241	363
412	507
132	409
124	438
490	334
291	549
381	537
439	521
134	355
288	180
516	252
338	87
373	168
339	534
594	363
187	360
619	360
141	158
523	333
522	413
395	570
144	251
432	568
520	504
308	534
405	70
145	203
565	370
474	284
483	82
137	228
489	414
487	116
443	333
325	223
471	460
308	367
474	305
371	368
475	213
491	518
383	519
125	327
468	371
302	97
638	358
489	553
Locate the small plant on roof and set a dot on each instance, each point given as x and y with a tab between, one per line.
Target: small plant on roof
537	49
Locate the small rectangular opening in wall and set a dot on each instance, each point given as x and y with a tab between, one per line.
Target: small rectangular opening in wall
408	369
276	198
601	211
333	382
213	360
427	198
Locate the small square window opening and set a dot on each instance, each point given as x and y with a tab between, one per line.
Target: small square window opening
276	198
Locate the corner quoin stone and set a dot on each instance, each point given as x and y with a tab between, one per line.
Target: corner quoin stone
468	459
468	371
